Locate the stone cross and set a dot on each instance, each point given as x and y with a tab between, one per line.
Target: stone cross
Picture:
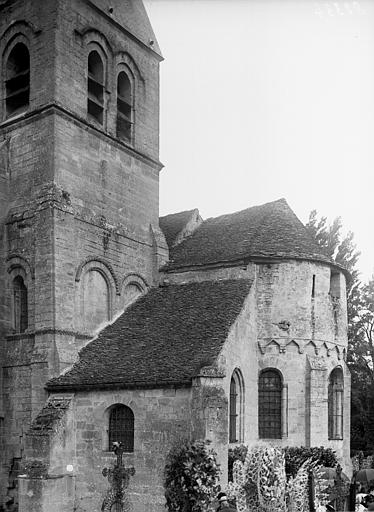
119	478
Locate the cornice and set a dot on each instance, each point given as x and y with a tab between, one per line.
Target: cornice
55	108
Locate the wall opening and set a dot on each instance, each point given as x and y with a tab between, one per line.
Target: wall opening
124	107
95	88
270	405
121	427
335	404
20	306
334	284
236	408
17	83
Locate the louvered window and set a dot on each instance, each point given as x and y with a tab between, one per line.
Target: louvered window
124	107
95	88
17	83
270	405
121	427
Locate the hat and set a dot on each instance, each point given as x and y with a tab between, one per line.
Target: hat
222	496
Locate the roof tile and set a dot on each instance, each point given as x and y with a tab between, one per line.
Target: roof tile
268	230
164	338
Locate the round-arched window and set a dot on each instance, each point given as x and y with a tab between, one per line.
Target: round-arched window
335	404
17	81
270	405
121	427
20	305
124	107
95	87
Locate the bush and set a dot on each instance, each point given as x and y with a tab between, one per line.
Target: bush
297	455
190	477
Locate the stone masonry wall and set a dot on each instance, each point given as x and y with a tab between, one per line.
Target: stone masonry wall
284	327
70	193
162	417
81	25
305	338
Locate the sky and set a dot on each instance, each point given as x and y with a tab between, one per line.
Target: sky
263	99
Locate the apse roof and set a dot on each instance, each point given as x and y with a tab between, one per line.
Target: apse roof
163	339
271	230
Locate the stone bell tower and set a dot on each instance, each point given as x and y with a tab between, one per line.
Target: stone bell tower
79	168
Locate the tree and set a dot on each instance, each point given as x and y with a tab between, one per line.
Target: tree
361	361
343	250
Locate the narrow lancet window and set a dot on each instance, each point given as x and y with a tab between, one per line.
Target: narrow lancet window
233	411
236	408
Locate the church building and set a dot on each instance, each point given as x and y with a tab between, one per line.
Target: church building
120	326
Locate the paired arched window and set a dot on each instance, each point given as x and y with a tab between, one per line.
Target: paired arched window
335	404
236	408
20	307
96	299
121	427
95	87
270	404
17	81
125	110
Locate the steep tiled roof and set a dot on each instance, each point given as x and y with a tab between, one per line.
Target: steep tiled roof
269	230
171	225
164	338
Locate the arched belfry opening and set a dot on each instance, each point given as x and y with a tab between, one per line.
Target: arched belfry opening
17	82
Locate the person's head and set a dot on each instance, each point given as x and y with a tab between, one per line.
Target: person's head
371	489
222	497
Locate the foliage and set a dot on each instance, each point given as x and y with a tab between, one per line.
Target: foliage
190	477
296	456
361	362
260	483
360	305
332	243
